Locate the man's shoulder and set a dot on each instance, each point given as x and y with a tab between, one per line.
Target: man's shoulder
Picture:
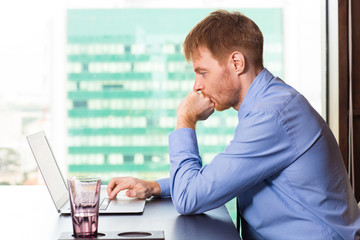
274	97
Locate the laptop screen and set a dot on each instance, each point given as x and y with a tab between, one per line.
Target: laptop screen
48	168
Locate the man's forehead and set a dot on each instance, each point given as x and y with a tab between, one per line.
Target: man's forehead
198	64
202	59
200	52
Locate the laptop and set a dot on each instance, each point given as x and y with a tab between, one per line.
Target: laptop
57	186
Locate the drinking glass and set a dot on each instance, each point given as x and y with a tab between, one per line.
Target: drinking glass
84	194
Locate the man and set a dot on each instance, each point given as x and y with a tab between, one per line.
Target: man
283	165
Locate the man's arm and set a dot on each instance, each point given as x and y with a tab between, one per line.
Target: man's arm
195	106
260	149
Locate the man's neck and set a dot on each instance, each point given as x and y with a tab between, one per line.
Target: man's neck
247	79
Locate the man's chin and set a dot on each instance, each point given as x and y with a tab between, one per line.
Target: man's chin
220	108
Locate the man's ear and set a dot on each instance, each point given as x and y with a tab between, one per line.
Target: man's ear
238	62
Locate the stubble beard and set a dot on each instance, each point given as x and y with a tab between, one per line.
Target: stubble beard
231	95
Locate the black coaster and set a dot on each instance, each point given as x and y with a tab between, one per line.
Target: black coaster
128	235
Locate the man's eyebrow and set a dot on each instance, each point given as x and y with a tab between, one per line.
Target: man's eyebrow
198	69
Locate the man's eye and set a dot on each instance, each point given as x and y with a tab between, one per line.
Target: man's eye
202	73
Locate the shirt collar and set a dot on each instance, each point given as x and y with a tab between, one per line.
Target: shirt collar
259	83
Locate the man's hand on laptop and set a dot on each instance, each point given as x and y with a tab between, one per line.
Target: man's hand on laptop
136	188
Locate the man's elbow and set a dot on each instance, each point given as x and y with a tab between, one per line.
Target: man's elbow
184	211
185	208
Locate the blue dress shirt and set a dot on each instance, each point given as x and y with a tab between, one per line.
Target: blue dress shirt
283	164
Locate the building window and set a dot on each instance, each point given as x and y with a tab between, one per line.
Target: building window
104	79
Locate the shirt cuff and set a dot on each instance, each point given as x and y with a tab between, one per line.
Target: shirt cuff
164	187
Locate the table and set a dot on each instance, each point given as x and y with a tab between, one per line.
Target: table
27	212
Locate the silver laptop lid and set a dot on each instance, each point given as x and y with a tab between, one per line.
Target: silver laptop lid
49	169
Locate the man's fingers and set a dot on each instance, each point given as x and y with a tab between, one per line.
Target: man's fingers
116	185
135	194
136	188
115	191
111	186
131	193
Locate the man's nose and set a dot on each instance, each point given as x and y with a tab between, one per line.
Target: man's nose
198	86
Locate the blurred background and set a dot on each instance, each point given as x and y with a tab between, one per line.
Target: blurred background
103	79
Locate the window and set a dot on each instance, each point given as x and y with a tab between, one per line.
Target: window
126	76
103	79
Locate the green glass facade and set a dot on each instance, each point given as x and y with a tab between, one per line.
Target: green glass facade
126	74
